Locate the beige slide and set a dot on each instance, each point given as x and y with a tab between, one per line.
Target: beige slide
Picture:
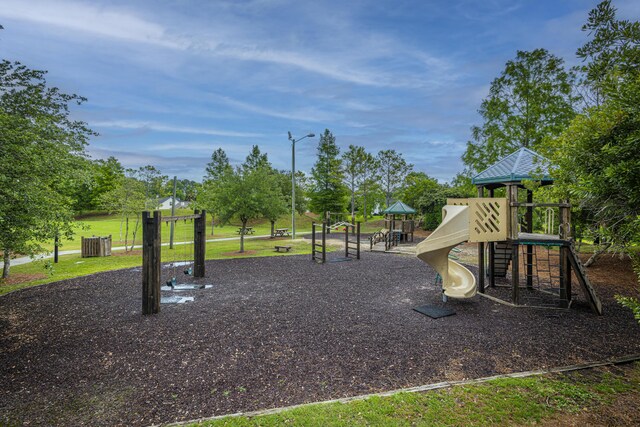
457	281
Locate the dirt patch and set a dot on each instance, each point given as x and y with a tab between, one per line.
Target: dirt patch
620	410
238	253
271	332
16	278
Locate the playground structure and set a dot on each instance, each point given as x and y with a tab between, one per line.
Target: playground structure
351	247
399	226
504	231
335	220
151	254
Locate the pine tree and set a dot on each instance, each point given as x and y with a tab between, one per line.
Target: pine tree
328	192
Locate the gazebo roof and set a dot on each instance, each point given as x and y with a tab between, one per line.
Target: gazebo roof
523	164
400	209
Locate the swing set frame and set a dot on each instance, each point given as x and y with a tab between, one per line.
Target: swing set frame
152	253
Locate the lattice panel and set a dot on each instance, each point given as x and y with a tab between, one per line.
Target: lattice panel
458	202
488	219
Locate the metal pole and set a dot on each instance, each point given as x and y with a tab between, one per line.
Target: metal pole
173	212
293	181
293	189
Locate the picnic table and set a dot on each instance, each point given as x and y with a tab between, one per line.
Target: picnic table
281	232
247	230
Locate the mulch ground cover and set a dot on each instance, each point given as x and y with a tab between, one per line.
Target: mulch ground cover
272	332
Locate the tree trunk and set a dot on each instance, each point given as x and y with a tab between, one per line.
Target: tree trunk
602	249
121	221
126	234
244	226
212	224
364	204
135	231
273	227
7	263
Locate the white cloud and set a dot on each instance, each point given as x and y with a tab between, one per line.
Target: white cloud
308	114
112	23
327	57
159	127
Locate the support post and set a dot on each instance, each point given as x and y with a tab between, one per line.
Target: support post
313	241
492	256
530	248
327	220
173	212
512	194
565	263
324	242
199	244
151	246
481	266
515	274
346	241
358	241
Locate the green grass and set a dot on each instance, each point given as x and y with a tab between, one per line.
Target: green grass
499	402
70	266
105	225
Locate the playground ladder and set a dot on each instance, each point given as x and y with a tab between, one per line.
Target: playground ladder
502	258
583	278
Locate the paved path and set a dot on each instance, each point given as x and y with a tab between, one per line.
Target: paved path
26	259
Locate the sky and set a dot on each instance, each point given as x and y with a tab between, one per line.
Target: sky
169	82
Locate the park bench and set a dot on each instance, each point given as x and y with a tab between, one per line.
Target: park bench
286	248
247	230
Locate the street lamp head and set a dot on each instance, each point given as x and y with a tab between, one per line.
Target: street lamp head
290	137
311	135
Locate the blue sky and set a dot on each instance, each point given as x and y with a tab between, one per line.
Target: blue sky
168	82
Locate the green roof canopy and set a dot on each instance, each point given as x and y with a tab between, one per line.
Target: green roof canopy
400	209
523	164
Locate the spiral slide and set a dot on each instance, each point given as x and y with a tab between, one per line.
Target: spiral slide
457	281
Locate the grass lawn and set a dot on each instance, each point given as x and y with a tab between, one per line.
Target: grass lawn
551	400
105	225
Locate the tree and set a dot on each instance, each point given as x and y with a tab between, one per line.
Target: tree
369	178
610	55
128	198
108	175
154	183
41	150
531	102
247	194
353	167
394	169
216	170
328	192
597	157
256	159
218	166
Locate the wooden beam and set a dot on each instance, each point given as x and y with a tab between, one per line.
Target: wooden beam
179	217
199	244
481	266
151	247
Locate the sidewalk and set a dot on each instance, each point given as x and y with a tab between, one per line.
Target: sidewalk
26	259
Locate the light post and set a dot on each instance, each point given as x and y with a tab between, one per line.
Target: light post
293	181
